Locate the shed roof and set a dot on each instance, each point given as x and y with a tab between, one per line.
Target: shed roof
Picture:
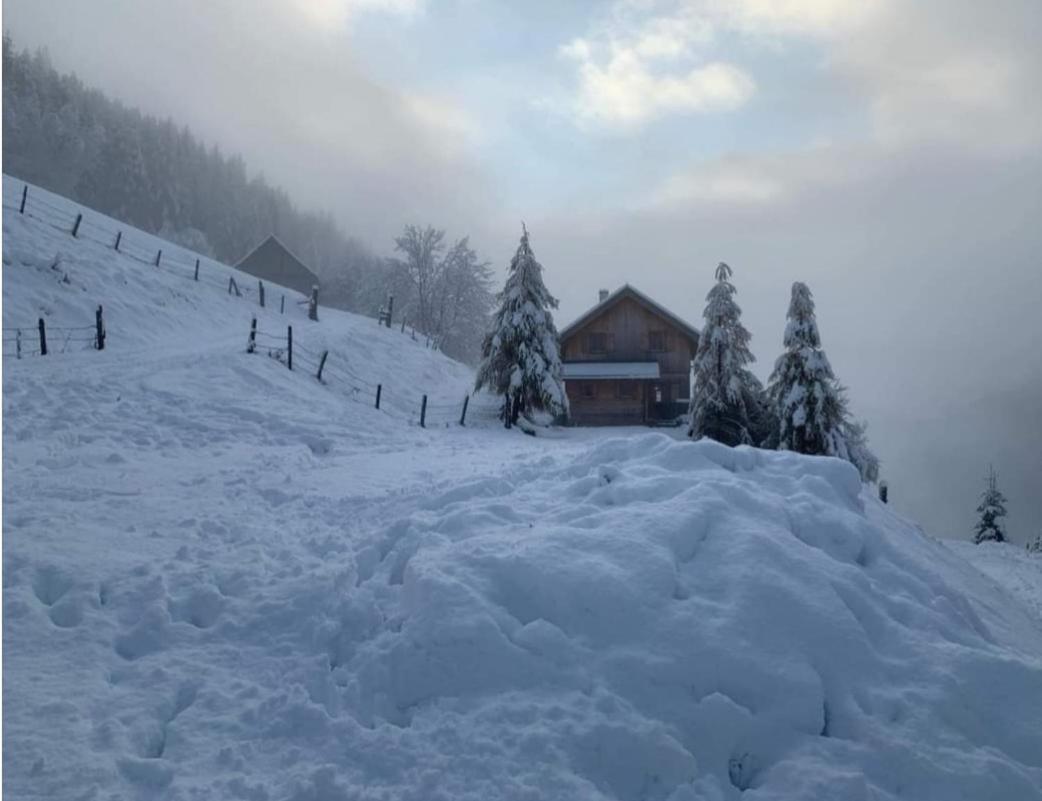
590	370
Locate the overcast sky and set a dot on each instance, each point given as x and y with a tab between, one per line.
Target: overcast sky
886	153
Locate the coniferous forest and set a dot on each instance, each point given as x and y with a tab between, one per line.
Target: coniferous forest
72	139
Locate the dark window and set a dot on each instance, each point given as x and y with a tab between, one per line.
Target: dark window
657	340
597	343
627	390
589	389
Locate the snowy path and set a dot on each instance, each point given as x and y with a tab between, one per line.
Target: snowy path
165	519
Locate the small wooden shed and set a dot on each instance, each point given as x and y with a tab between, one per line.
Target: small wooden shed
273	262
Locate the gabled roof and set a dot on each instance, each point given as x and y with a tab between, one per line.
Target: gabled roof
626	291
271	238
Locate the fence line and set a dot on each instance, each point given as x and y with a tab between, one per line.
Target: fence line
330	369
18	341
84	224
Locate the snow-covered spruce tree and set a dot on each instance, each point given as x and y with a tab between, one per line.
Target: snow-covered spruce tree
520	356
810	408
992	507
727	401
1036	546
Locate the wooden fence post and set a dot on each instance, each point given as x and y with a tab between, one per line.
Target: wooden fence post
282	306
390	309
119	236
379	388
76	225
251	346
322	364
232	286
25	194
313	303
197	269
463	414
43	338
289	346
99	333
423	412
884	491
260	291
18	343
159	255
403	325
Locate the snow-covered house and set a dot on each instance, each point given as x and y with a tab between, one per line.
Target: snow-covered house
627	361
272	261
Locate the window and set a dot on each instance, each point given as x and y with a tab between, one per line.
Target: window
588	389
657	340
597	343
627	390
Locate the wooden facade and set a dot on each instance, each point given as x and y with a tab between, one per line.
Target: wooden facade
627	361
273	262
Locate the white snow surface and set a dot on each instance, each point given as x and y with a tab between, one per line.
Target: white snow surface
224	580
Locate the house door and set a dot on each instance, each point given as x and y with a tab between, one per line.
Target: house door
660	405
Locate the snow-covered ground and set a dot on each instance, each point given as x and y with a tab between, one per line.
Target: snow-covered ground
225	580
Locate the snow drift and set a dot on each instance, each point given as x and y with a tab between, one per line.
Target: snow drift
680	621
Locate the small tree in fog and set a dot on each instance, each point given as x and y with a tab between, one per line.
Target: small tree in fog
809	406
727	400
521	358
1036	545
992	508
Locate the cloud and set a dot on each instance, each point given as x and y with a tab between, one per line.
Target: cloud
725	181
626	92
931	70
332	14
638	68
782	18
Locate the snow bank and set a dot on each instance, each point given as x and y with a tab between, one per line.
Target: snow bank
674	620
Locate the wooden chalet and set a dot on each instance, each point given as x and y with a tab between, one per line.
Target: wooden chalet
627	361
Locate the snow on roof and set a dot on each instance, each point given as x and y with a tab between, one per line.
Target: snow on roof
610	370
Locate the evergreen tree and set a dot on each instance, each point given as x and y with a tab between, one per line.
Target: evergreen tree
1036	546
809	406
992	507
520	355
727	400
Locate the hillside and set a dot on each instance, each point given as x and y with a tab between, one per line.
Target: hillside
226	580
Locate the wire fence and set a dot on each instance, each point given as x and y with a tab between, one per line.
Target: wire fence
84	224
335	371
43	339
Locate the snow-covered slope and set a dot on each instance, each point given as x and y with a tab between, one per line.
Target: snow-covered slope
223	580
151	311
1013	570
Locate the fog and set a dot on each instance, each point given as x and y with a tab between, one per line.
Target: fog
885	153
